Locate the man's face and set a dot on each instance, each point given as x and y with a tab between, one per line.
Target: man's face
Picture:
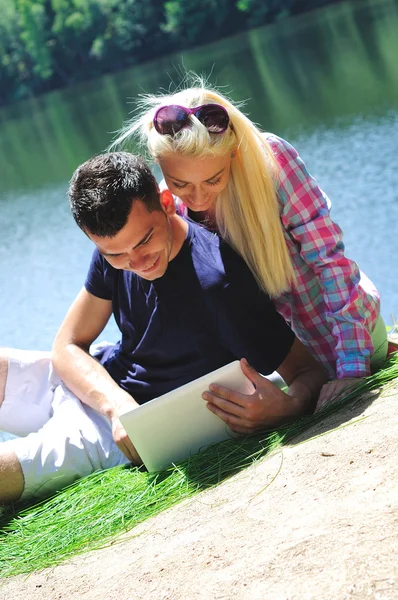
144	245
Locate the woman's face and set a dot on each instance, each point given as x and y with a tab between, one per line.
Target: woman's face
197	181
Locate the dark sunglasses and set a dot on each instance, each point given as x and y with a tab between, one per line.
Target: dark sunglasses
169	120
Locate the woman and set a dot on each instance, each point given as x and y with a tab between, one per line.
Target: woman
256	191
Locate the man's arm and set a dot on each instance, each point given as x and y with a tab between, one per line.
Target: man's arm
84	375
268	406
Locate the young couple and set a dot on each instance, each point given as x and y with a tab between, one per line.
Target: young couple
184	301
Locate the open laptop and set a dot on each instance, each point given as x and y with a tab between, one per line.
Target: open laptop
178	424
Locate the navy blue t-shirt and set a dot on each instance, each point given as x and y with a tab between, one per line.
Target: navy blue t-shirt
205	312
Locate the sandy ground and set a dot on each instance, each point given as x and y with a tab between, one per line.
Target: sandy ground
317	520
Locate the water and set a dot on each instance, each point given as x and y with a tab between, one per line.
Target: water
327	81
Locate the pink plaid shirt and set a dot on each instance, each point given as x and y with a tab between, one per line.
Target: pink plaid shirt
332	306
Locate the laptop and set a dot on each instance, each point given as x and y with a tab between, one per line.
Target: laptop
178	424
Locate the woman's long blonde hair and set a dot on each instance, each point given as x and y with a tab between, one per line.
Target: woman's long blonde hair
247	212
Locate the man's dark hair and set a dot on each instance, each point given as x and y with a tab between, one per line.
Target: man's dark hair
103	189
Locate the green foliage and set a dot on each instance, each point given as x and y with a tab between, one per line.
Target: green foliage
132	30
12	52
192	22
34	27
260	12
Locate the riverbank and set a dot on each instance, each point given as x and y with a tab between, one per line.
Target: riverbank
317	519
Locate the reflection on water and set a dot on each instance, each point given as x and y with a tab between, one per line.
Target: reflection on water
326	80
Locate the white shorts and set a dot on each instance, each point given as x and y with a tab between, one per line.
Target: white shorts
63	439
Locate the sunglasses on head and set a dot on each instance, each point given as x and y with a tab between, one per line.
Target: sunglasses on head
169	120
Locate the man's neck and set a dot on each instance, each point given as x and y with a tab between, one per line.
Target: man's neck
179	228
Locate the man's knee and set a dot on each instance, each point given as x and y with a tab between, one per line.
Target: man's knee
11	476
3	372
26	390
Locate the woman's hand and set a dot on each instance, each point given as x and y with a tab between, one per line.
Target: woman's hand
266	408
334	390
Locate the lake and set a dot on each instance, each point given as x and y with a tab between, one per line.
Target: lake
326	80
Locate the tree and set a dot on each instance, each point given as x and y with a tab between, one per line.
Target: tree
261	12
75	26
34	29
191	22
132	33
11	52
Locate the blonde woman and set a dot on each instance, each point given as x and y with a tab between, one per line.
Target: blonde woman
254	189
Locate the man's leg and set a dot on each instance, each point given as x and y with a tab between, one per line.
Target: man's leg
24	376
63	440
71	445
27	385
11	476
3	372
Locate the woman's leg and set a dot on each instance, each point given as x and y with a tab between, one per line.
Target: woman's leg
380	344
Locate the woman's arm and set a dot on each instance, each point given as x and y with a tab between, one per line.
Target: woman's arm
305	216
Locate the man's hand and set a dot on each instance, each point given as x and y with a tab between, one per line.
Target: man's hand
123	402
123	442
334	390
266	408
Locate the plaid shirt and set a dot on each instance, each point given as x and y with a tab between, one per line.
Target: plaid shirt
332	305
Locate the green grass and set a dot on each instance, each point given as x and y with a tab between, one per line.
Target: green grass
92	512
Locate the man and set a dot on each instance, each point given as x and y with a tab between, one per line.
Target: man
185	304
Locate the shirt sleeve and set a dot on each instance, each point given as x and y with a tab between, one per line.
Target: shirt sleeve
98	281
305	216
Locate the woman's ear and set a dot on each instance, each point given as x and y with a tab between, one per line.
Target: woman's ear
167	202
